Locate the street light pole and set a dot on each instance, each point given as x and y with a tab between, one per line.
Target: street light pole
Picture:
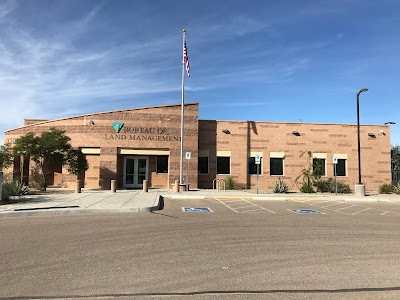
358	134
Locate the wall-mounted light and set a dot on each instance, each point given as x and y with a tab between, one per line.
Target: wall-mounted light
226	131
372	135
296	133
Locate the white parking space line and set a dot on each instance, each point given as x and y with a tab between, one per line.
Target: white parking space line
241	207
312	204
331	205
339	210
345	207
360	211
259	206
237	205
253	210
226	205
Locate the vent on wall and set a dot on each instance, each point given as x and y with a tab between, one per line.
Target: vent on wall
296	133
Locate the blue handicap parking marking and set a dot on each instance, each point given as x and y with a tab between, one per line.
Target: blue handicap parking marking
305	211
196	209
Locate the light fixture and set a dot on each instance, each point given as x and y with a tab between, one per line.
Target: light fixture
226	131
362	189
296	133
372	135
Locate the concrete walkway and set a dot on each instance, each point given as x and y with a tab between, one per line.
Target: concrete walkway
100	201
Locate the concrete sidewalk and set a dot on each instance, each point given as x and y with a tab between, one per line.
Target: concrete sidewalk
89	201
101	201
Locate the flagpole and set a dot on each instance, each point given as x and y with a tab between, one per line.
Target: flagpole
182	108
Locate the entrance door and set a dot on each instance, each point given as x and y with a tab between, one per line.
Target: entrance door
135	171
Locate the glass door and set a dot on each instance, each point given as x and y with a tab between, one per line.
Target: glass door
135	171
129	172
141	171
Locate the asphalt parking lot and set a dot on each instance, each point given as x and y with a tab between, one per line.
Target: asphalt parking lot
242	205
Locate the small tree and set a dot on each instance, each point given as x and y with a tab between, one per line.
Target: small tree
6	156
76	162
24	146
395	161
309	174
51	147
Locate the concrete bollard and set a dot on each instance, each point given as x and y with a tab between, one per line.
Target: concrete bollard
1	184
176	186
78	186
113	186
145	186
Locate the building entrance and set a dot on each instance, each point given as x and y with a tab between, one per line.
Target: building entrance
135	171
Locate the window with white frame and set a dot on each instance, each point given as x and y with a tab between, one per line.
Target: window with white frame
162	164
253	166
223	165
340	169
319	166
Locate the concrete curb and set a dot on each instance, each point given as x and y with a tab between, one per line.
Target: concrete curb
181	197
158	205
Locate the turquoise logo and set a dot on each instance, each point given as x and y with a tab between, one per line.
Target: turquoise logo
117	126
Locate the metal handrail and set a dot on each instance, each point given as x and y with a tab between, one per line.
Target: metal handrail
217	184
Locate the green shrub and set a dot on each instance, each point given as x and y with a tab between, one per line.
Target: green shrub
13	188
280	187
386	188
36	180
396	188
306	188
328	186
343	188
230	183
325	185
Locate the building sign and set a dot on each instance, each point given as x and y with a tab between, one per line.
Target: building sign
117	126
156	134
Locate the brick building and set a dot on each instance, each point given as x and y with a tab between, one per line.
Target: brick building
136	144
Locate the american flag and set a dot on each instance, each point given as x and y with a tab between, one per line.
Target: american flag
186	59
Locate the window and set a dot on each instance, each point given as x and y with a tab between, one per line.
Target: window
203	165
162	164
276	166
223	165
253	166
319	166
340	167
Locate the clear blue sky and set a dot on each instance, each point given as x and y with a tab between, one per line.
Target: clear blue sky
250	60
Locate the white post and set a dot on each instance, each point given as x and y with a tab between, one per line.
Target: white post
1	184
182	109
258	167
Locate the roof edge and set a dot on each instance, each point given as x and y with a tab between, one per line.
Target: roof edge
100	113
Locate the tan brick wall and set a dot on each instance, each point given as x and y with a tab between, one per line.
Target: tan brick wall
95	130
163	125
266	137
92	174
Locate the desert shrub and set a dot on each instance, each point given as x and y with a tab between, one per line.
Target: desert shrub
36	180
325	185
280	187
230	183
13	188
343	188
396	188
306	188
386	188
328	186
